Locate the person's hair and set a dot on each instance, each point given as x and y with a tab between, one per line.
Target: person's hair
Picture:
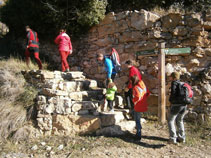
99	55
111	84
175	75
129	62
62	30
134	79
27	27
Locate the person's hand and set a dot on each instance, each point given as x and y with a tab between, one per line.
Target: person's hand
27	46
126	89
71	51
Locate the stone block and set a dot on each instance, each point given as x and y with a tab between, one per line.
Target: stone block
73	75
109	119
171	20
45	122
180	31
207	25
75	124
193	20
109	19
84	105
47	74
51	93
72	86
85	95
143	19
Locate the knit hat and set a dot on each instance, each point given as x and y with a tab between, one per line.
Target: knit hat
175	75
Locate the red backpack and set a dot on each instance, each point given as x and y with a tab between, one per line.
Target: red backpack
185	93
114	56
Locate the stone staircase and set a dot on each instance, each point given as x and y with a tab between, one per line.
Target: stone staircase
68	104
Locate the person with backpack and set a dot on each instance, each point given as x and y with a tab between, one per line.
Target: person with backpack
32	46
181	95
128	90
65	48
110	95
111	63
140	94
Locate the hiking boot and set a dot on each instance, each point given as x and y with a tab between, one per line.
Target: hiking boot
67	70
171	141
180	140
111	111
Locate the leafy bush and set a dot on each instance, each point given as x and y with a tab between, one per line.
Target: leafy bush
47	16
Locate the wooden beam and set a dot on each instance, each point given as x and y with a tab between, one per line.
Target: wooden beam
162	85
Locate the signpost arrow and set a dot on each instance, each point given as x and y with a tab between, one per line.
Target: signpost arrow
177	51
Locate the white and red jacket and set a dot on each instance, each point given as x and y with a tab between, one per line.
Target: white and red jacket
64	43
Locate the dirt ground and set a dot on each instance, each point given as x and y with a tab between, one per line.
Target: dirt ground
153	145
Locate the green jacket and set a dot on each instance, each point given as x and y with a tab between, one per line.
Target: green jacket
110	92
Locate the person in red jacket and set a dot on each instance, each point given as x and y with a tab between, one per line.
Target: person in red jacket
65	48
128	90
140	94
32	46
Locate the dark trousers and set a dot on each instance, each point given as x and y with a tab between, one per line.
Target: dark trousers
110	104
129	99
112	77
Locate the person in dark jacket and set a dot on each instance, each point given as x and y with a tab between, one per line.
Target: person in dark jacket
32	46
128	90
177	112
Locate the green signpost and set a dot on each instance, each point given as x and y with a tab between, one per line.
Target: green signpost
177	51
167	51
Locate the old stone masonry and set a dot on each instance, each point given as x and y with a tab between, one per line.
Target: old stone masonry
68	104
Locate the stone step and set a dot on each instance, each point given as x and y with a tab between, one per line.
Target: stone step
70	86
109	119
86	95
72	75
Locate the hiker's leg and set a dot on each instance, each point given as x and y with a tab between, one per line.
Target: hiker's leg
63	59
110	104
38	61
127	99
171	123
66	63
137	117
131	98
27	57
180	124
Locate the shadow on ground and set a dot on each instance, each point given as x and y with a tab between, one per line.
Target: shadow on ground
130	138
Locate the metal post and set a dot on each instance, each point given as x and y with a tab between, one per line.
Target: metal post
162	85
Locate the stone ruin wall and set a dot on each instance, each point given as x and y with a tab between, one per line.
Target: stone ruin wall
69	104
132	31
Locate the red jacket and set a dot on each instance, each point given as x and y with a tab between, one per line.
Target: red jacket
133	71
64	43
140	94
32	39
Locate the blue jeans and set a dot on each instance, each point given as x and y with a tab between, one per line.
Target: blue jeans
137	118
177	114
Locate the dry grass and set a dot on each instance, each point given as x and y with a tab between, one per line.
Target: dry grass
16	97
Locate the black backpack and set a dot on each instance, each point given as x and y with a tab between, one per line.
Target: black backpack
184	94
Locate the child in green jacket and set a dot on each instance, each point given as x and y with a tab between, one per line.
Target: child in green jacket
110	95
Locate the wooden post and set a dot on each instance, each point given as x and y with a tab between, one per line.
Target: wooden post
162	85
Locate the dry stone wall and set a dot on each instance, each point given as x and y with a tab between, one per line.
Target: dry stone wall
69	104
132	31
